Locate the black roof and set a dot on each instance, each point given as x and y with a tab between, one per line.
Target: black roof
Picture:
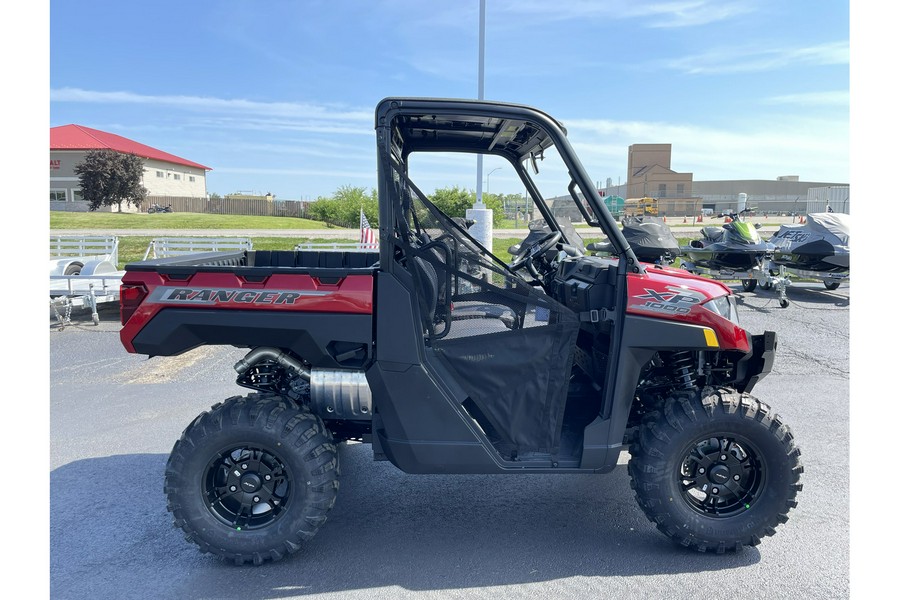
435	125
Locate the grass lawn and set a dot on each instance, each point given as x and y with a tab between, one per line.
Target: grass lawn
88	220
133	248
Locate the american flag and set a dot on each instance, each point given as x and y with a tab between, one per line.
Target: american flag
368	237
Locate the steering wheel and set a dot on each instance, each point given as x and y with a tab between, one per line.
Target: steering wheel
527	255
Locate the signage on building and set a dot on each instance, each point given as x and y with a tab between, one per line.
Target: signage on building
54	164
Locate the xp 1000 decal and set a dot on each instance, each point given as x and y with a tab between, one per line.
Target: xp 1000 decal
674	300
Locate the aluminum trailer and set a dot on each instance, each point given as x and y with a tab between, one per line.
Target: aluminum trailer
83	273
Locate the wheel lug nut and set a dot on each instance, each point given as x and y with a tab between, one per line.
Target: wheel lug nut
715	490
256	498
701	470
737	477
233	488
244	466
723	457
268	477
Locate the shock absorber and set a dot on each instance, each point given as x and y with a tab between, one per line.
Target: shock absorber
681	363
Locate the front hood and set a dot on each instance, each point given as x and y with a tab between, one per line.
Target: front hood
675	294
674	282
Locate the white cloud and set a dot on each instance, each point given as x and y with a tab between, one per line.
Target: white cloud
653	13
760	58
814	149
837	98
222	105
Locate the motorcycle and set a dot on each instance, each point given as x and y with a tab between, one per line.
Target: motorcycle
156	208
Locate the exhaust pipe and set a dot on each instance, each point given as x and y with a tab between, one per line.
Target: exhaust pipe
258	354
334	394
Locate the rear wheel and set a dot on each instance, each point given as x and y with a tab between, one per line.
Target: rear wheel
748	284
252	479
715	472
832	285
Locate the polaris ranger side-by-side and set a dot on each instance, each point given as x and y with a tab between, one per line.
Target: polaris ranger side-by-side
447	360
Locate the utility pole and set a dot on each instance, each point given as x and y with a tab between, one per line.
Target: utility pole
483	229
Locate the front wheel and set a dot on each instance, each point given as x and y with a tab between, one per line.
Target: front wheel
715	471
832	285
748	284
252	479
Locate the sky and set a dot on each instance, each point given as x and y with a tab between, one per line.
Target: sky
280	96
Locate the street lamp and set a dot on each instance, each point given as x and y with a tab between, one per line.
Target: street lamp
489	179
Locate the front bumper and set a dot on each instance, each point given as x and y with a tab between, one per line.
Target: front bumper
758	363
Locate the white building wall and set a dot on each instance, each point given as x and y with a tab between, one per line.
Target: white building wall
169	179
175	180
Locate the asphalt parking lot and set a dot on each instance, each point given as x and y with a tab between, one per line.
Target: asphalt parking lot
114	417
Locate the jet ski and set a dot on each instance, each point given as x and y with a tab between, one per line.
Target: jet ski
736	246
819	248
734	251
649	237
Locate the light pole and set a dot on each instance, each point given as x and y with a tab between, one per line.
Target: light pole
489	180
482	230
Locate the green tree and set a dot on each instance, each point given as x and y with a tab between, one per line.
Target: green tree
342	207
453	201
109	178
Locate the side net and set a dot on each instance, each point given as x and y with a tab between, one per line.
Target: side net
508	343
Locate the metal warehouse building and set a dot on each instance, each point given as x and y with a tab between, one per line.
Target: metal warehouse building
165	175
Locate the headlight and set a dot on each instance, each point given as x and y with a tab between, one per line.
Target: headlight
724	306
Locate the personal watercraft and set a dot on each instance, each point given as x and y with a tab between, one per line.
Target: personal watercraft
819	248
649	237
736	246
735	251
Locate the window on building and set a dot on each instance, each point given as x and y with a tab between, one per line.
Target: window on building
680	189
191	178
662	190
57	195
159	173
177	176
77	196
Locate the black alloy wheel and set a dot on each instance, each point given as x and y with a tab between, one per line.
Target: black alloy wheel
721	476
247	487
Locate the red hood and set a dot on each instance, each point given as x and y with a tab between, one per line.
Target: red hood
675	294
661	278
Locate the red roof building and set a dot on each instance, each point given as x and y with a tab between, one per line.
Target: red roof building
77	137
165	175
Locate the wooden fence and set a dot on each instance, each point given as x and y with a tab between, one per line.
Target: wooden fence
232	206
